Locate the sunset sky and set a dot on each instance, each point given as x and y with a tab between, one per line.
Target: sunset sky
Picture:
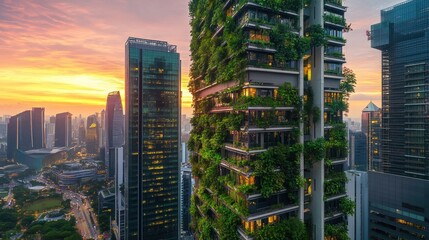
67	55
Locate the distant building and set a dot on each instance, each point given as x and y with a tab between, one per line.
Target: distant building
12	137
75	173
3	129
50	133
358	151
26	131
92	135
38	127
186	192
106	200
102	129
39	158
63	130
357	191
114	125
82	132
371	127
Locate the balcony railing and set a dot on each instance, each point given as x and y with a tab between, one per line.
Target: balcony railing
334	72
291	65
338	55
335	38
336	2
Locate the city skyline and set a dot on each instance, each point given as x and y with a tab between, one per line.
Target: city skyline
64	56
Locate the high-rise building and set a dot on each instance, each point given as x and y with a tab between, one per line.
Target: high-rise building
12	137
92	135
118	155
26	131
185	198
63	130
38	127
152	139
114	129
50	132
371	127
398	194
357	190
358	151
102	119
253	63
82	132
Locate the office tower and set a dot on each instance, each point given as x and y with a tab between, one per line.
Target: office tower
152	139
398	194
357	190
3	129
82	132
253	62
38	127
185	198
114	128
50	132
118	155
63	130
102	129
92	135
12	137
371	126
358	151
26	131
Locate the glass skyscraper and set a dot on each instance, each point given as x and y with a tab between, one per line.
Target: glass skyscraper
151	157
26	131
398	193
63	134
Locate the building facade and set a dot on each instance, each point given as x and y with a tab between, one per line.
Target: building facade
38	127
118	154
371	127
248	77
404	96
358	151
152	140
357	190
398	194
26	131
92	135
114	128
63	130
185	198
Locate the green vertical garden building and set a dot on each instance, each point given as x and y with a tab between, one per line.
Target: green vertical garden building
268	143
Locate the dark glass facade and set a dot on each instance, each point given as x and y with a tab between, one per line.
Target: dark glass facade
12	137
26	131
359	154
403	39
186	198
38	127
63	130
152	126
399	207
398	194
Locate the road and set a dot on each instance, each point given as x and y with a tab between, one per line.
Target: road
81	210
9	199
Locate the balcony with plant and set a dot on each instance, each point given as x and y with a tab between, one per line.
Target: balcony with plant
335	19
